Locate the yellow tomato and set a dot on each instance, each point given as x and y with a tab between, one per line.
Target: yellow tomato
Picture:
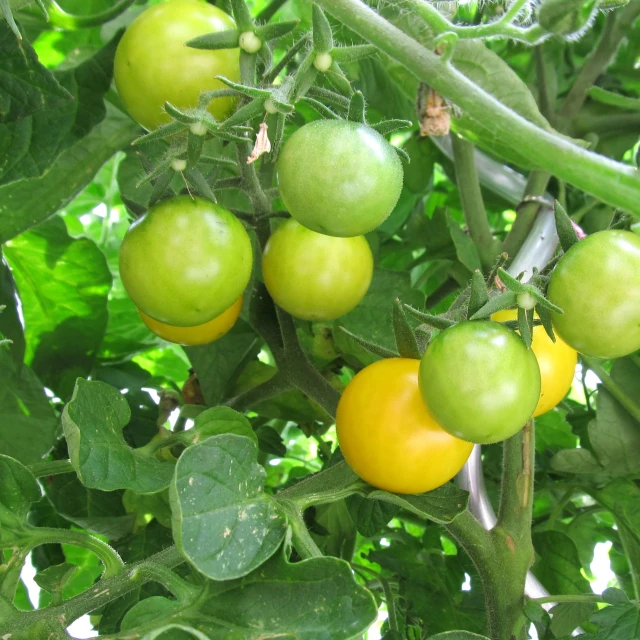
557	362
200	334
388	436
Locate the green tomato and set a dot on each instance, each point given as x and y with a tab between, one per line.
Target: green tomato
480	381
185	261
153	65
597	285
339	178
316	277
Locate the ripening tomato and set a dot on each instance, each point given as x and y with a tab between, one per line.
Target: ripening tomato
153	65
185	261
388	436
313	276
557	362
200	334
480	381
597	285
339	178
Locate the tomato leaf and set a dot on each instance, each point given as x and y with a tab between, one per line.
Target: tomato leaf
218	364
97	511
25	203
18	489
220	420
55	578
559	569
34	141
50	266
615	437
316	598
28	423
223	522
441	505
93	421
27	86
370	516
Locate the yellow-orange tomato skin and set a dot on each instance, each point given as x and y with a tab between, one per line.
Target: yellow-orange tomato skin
557	362
200	334
387	435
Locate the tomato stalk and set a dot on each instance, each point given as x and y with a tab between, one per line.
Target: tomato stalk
100	594
51	468
472	203
612	182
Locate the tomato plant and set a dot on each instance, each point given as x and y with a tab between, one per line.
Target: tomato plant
557	362
153	65
185	261
388	436
339	178
313	276
307	468
200	334
479	381
597	285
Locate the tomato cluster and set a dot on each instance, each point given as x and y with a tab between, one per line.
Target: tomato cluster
187	261
404	425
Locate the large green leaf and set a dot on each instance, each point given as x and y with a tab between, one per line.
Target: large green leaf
559	567
25	203
50	267
93	422
26	88
97	511
316	599
31	144
615	437
223	522
18	489
28	423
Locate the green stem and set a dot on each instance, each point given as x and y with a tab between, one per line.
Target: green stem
615	26
527	212
613	182
269	11
11	577
274	386
108	556
504	581
388	594
559	508
501	28
58	17
574	598
181	589
547	106
472	204
301	538
100	594
613	387
51	468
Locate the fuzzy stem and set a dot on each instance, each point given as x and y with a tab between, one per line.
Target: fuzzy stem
612	182
100	594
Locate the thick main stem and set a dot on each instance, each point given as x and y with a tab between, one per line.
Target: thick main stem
610	181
